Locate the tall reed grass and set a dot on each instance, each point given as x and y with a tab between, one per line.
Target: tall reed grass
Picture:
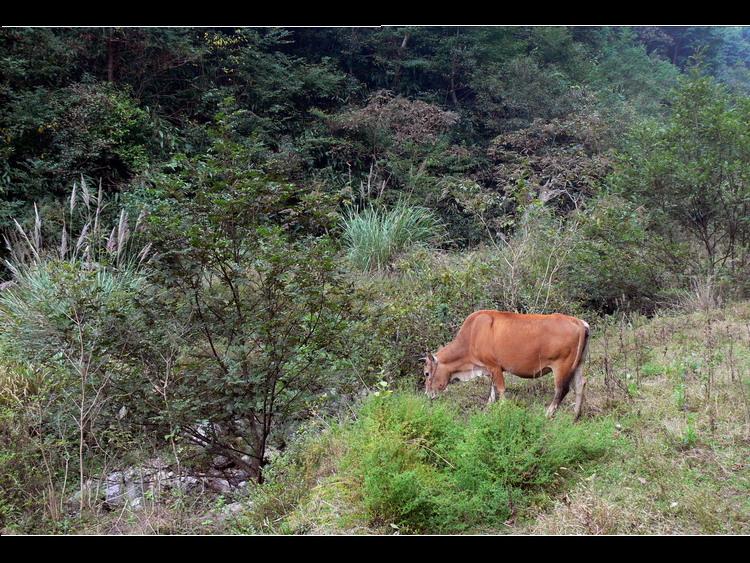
375	236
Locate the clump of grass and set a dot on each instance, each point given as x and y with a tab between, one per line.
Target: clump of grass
425	469
92	248
289	482
704	295
374	236
67	318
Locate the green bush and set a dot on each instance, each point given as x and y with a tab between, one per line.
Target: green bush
425	469
691	172
53	137
616	262
257	296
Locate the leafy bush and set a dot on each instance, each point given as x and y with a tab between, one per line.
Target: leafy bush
259	302
290	478
616	262
425	469
692	174
90	129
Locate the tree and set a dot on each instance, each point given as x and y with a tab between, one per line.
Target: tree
259	295
694	171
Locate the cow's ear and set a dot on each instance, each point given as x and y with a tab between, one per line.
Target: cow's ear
434	358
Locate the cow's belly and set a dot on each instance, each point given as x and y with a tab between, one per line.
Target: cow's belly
468	375
530	374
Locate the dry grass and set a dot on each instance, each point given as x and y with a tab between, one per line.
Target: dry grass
682	404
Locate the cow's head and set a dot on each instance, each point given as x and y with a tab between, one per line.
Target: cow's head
436	376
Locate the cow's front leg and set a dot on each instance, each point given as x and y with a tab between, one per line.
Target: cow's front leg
497	386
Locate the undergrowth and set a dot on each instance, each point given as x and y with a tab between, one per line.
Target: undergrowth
417	466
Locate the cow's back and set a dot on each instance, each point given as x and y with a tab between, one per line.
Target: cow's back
520	343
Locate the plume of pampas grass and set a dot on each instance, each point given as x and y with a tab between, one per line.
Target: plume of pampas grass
26	247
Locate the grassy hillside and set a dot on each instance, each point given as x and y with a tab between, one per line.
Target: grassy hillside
667	417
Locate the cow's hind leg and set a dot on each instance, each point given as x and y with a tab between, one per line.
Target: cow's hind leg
579	382
562	386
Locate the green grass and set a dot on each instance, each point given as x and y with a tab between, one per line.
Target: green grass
417	466
682	467
374	237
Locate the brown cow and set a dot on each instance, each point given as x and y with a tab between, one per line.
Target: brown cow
492	342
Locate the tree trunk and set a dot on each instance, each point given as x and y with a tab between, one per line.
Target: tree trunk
110	56
400	58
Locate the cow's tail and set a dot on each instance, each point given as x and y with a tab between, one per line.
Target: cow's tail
579	382
583	347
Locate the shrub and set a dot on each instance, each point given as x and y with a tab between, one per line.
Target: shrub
259	300
69	328
53	137
615	261
692	174
425	469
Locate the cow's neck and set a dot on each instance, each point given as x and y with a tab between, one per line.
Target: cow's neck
454	354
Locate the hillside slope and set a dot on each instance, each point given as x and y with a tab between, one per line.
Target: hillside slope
671	391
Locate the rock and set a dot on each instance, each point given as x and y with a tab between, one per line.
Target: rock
234	508
207	429
92	492
132	486
188	483
114	489
219	485
221	462
230	511
134	493
237	474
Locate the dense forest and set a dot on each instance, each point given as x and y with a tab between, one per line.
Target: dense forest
220	241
